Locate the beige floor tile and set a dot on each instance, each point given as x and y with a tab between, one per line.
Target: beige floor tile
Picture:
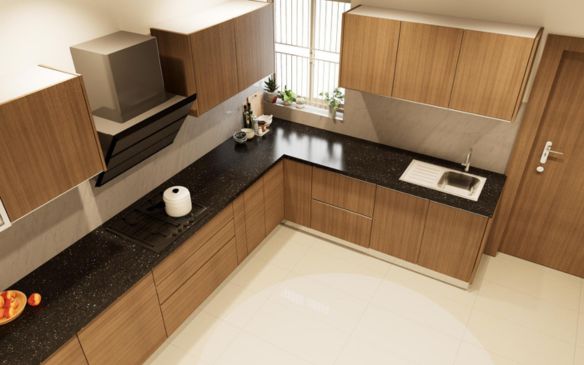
169	354
257	275
284	247
360	350
516	342
529	311
579	357
470	354
526	277
250	350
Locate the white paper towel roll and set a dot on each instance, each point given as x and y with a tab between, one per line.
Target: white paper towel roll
177	201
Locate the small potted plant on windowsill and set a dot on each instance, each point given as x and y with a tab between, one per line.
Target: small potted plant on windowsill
334	101
288	96
271	89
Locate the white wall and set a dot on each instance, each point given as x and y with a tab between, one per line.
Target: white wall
33	32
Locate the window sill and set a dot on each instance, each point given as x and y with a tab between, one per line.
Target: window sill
293	113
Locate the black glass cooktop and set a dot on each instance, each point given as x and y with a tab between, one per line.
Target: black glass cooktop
147	224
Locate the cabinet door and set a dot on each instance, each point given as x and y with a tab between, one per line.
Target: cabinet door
128	331
398	223
297	192
368	53
214	60
491	74
255	221
274	196
176	62
341	223
452	241
426	63
70	354
240	231
254	34
48	145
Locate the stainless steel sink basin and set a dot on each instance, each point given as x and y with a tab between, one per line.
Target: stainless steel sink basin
459	180
443	179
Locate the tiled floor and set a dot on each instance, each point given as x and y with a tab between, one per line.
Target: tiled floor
303	300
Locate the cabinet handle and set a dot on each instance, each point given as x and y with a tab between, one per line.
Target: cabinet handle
4	220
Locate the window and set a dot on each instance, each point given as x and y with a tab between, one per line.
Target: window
308	44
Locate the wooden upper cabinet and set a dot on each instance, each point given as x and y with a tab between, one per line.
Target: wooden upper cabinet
217	52
491	74
368	53
452	241
426	63
48	143
254	37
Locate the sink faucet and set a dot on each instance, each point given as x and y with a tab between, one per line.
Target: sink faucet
466	162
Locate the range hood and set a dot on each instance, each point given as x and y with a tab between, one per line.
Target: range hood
133	114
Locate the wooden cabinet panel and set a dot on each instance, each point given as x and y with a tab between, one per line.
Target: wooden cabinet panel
297	192
255	221
128	331
176	62
48	146
194	262
189	296
341	223
69	354
491	73
452	241
398	224
368	54
254	35
426	63
343	191
182	254
274	196
240	231
214	54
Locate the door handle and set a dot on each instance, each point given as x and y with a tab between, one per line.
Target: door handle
547	152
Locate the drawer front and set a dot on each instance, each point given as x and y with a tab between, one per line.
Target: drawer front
343	192
128	331
192	245
189	296
183	272
341	223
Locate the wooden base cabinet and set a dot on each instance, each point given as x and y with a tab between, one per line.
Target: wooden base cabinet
128	331
341	223
255	218
69	354
274	196
453	241
297	192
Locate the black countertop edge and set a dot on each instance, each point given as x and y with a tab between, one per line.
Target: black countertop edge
83	280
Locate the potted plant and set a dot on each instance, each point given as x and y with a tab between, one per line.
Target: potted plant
334	101
271	89
288	96
300	102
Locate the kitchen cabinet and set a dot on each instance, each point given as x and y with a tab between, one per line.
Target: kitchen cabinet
274	196
492	73
217	52
297	192
398	224
341	223
469	65
255	219
128	331
426	63
368	54
240	230
343	191
453	241
48	142
70	354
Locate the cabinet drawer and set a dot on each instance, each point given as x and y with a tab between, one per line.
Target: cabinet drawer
343	192
189	296
341	223
128	331
192	264
182	254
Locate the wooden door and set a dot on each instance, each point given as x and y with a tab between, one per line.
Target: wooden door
398	223
254	34
297	192
491	74
255	220
214	59
368	53
452	241
274	196
547	221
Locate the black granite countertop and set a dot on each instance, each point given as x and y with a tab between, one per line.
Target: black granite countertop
86	278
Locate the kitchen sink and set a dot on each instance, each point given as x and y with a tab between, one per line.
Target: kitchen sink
443	179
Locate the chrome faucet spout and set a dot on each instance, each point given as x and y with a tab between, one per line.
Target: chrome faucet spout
466	162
